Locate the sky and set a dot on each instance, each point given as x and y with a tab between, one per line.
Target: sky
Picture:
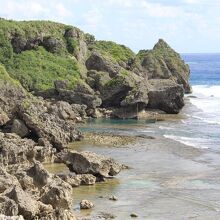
189	26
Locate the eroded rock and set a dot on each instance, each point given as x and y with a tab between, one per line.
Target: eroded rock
166	95
90	163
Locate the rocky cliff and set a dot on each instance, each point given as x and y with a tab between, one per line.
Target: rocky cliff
59	61
53	76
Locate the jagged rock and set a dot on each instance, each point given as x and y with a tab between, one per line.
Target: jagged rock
15	150
58	194
97	62
45	124
27	206
166	96
86	204
3	117
90	163
40	176
11	95
8	206
138	95
65	111
59	214
164	63
72	33
81	94
77	180
19	128
7	180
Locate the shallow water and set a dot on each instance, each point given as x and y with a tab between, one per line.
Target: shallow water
167	179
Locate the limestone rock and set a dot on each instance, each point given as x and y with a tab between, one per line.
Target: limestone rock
86	204
4	217
27	207
90	163
97	62
8	206
3	117
19	128
81	94
58	194
166	96
164	63
79	179
41	118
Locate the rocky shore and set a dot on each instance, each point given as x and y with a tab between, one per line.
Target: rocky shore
53	76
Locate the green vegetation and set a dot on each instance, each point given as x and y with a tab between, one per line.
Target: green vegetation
4	76
116	51
37	68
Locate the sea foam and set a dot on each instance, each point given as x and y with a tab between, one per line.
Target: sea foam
193	142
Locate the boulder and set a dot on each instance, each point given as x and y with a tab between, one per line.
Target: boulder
27	207
58	194
21	43
166	95
40	175
19	128
86	204
91	163
81	94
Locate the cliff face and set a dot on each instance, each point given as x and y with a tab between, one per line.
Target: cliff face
59	61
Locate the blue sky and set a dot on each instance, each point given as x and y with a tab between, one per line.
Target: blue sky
187	25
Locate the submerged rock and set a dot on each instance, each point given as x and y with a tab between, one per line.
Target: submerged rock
86	204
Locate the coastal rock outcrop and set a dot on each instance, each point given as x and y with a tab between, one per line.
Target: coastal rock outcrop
166	95
90	163
41	119
164	63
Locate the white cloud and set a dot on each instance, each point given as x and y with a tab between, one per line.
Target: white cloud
23	9
124	3
161	11
62	10
93	17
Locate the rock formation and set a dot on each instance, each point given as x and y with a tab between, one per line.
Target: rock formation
53	76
